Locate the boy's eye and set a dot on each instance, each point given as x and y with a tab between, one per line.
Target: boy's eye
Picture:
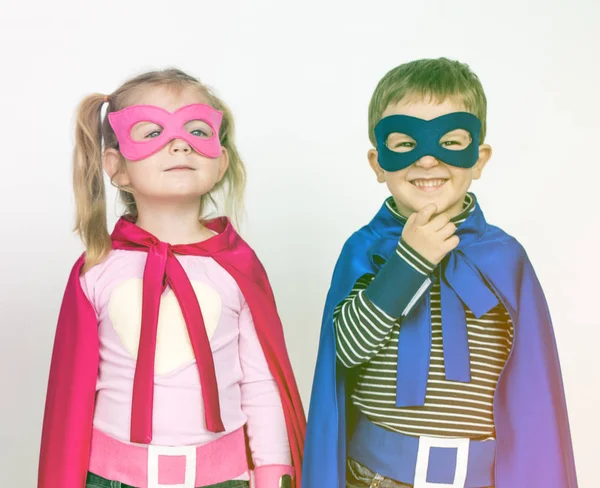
457	140
404	144
400	143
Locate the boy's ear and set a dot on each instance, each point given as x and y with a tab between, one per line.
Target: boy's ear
111	162
372	156
485	153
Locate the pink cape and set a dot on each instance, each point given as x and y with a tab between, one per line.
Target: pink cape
67	427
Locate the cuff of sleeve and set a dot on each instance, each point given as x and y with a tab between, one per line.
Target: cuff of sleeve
414	257
273	476
396	285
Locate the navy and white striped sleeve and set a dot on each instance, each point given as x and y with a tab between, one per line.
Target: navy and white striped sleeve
364	319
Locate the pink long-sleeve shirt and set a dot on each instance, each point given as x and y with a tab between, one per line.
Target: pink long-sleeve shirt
247	391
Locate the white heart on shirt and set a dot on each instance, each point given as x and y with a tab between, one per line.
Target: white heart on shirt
173	346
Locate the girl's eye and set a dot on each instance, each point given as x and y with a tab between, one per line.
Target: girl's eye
199	128
153	134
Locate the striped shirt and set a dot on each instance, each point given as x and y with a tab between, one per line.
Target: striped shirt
367	338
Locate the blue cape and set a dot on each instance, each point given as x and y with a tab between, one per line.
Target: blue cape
532	430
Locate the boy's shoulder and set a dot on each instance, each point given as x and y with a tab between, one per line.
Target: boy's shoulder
496	236
378	228
499	253
358	244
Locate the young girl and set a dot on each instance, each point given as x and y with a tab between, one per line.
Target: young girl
169	366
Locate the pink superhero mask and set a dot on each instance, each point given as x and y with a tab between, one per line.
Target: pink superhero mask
173	127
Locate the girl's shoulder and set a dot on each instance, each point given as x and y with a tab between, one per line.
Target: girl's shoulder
118	266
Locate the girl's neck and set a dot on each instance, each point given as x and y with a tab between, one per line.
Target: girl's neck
174	223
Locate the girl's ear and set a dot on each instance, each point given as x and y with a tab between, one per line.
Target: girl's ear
113	165
223	163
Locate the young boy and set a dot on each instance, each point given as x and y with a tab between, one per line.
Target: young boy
437	362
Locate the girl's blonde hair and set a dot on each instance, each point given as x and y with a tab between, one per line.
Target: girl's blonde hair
88	177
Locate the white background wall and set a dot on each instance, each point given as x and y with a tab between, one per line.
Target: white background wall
298	77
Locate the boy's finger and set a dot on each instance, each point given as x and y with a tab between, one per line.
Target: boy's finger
451	243
439	222
447	230
425	214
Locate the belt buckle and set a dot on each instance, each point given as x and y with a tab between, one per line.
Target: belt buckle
189	452
462	458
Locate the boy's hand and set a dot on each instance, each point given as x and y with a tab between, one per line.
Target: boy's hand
431	239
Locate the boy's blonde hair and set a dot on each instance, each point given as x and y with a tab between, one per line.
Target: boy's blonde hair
88	177
433	79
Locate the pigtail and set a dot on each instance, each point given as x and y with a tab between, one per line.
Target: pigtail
88	181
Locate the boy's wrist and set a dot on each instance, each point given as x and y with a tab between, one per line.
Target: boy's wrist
398	282
408	252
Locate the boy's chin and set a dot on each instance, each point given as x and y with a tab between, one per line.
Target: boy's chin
444	203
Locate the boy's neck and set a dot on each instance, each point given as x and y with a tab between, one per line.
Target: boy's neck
174	223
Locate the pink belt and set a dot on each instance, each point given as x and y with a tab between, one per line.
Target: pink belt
150	466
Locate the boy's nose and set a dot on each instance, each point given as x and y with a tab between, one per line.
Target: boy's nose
427	162
180	146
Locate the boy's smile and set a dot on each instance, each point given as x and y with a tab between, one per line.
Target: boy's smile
429	180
